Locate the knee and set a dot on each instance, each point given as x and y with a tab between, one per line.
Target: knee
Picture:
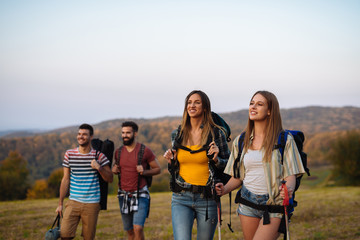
138	229
131	232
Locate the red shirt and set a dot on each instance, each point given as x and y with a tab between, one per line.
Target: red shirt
128	163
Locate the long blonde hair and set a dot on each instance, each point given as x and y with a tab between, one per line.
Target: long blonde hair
273	127
208	123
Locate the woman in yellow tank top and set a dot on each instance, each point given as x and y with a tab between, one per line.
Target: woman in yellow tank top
192	197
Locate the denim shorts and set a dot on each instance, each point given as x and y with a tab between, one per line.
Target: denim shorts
135	218
257	199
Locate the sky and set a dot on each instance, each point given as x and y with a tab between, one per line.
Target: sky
63	63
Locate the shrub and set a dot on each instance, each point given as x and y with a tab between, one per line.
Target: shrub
345	156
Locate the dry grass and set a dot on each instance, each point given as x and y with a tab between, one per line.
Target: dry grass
323	213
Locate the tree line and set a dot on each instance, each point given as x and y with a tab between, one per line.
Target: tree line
344	155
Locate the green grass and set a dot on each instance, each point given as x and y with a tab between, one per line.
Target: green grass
323	213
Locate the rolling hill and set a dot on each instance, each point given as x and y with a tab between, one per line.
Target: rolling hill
44	151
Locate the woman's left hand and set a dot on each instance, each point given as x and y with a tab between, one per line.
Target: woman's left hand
213	149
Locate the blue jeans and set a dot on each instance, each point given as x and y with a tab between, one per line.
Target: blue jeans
135	218
185	207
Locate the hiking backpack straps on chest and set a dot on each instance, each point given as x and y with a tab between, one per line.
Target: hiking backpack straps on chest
139	160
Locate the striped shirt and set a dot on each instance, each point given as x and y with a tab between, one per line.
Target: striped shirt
84	180
274	171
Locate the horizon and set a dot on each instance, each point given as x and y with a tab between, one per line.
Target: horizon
4	132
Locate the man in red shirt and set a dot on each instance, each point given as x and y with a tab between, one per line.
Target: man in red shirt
133	192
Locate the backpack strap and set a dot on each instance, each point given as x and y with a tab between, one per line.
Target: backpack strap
282	143
236	167
117	162
140	158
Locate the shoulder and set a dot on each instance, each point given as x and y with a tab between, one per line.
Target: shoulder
219	133
235	142
146	148
72	151
148	153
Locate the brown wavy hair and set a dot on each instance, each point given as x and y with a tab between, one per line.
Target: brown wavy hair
207	124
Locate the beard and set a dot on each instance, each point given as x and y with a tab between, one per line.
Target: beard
128	141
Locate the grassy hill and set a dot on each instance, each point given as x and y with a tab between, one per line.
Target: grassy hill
44	151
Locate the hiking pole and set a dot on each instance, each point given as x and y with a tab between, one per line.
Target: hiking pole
219	218
218	204
286	204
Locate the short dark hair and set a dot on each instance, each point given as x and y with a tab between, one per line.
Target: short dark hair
131	124
88	127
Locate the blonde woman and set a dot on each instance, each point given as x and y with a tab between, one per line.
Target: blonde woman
260	170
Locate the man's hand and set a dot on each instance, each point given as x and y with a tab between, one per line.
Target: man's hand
140	169
115	169
59	210
95	164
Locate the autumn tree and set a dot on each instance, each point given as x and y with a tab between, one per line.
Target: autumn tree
345	156
39	190
54	181
13	177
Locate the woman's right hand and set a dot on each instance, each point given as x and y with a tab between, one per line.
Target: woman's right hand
170	155
220	189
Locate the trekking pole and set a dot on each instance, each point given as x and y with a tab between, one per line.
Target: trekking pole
218	204
219	218
286	204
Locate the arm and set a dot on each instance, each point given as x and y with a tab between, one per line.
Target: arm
104	171
64	188
290	185
154	169
232	184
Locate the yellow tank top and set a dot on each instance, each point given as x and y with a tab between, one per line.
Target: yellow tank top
194	168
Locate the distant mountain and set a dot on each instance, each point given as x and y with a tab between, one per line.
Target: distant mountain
20	133
44	151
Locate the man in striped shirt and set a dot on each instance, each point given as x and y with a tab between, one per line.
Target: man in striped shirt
81	174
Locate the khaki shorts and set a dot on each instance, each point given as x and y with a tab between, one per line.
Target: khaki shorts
74	211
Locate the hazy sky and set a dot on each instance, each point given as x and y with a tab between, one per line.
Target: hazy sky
67	62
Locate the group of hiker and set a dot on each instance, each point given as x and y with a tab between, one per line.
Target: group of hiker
202	169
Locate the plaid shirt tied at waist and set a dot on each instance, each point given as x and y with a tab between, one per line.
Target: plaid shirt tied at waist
130	201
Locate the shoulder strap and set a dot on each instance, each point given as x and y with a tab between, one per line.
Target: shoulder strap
236	166
282	143
141	153
117	159
117	162
140	157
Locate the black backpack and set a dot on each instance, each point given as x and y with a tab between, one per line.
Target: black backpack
221	122
299	140
107	148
